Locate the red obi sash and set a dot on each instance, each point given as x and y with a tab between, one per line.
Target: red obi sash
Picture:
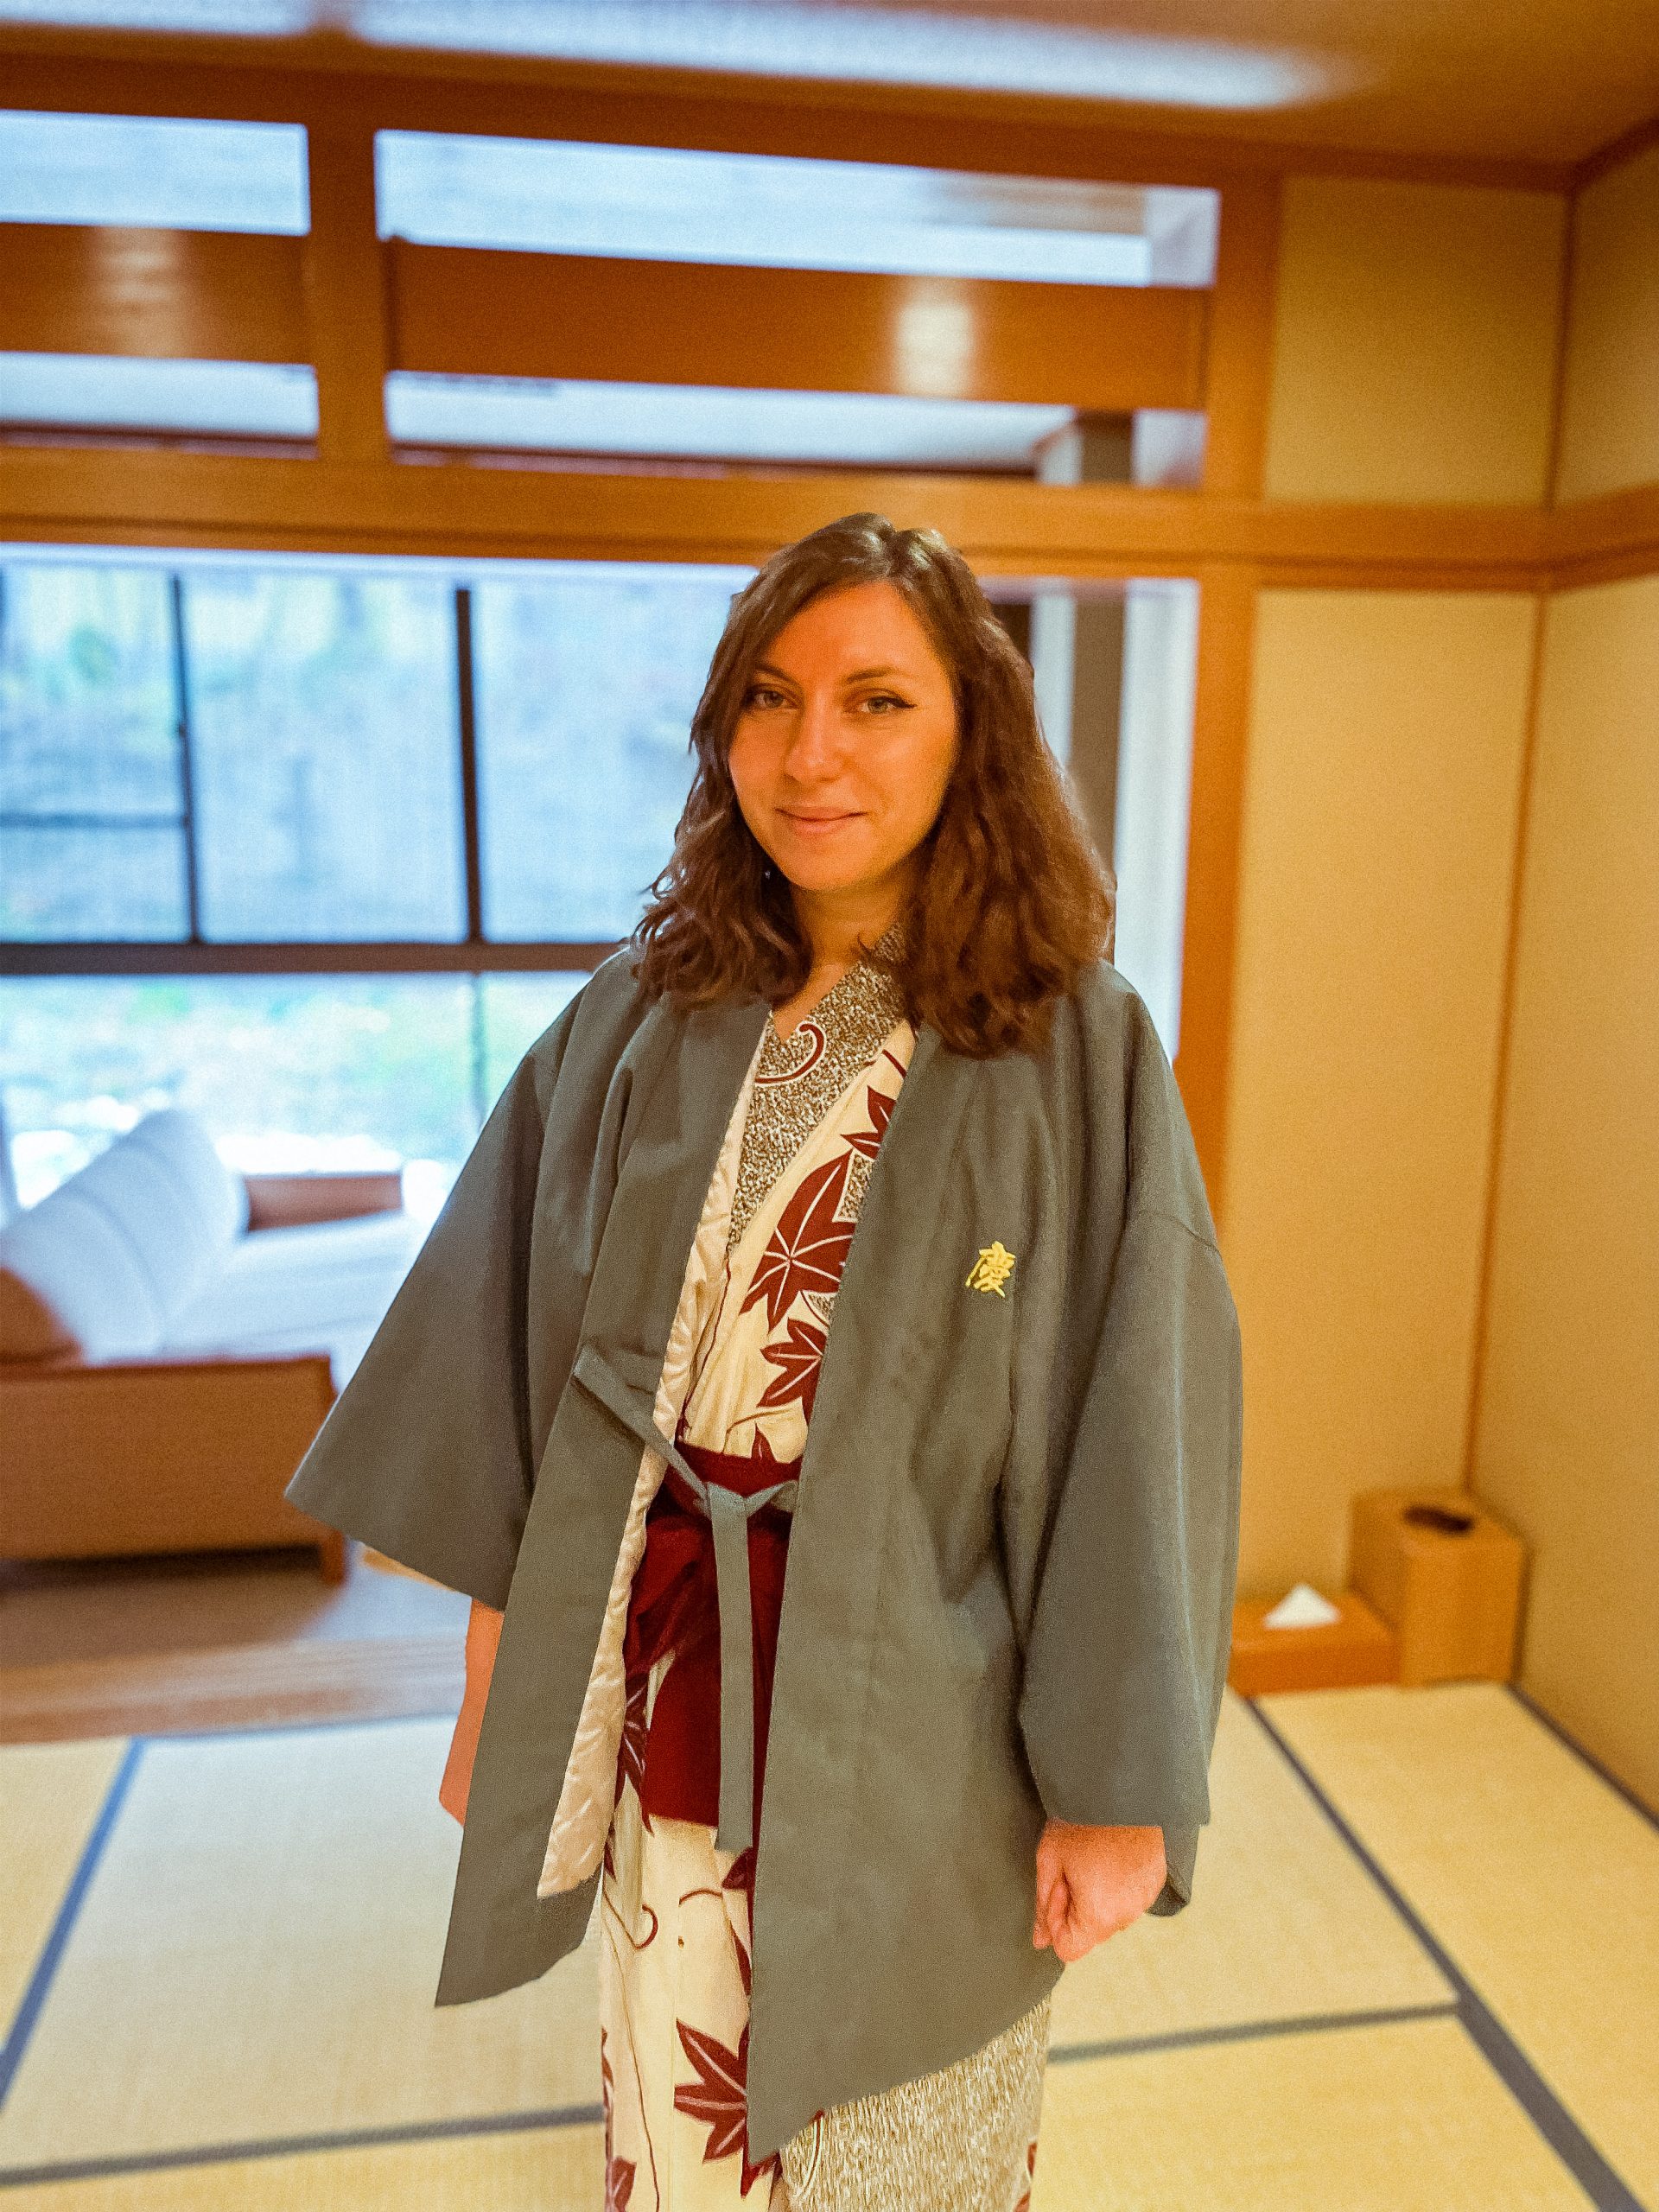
675	1764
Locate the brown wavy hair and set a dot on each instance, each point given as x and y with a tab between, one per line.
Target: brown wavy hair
1012	900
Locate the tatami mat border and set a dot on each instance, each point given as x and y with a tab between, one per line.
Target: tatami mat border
40	1981
287	2146
1385	2016
1572	1743
580	2115
1607	2190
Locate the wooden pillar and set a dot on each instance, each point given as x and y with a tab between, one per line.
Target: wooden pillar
345	294
1239	369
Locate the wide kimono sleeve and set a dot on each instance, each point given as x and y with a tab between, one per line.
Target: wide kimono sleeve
427	1454
1131	1629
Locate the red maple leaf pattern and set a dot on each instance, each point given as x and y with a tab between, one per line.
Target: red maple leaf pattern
1024	2205
720	2098
619	2183
879	1105
808	1247
740	1875
631	1751
798	1356
619	2172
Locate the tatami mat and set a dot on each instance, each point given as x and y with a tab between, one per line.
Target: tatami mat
1540	1882
546	2169
257	1955
1285	1923
50	1798
1402	2118
250	1968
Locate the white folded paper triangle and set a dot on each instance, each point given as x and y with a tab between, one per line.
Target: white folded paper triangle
1301	1607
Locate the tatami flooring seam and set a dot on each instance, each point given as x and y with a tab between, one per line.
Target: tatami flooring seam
40	1981
1587	1757
1603	2186
1607	2190
289	2146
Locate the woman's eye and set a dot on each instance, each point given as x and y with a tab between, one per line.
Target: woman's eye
885	699
761	694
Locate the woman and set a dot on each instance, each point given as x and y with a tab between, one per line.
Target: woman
980	1727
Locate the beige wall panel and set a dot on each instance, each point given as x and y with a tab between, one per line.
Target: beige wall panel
1567	1446
1414	351
1380	816
1609	415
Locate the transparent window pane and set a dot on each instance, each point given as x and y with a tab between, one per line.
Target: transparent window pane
515	1010
97	883
323	723
88	710
586	687
152	170
287	1072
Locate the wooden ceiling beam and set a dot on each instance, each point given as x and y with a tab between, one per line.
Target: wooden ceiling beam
1010	528
204	295
1105	348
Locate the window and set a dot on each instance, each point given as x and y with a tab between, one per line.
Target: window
203	765
287	1072
164	172
322	729
92	786
586	687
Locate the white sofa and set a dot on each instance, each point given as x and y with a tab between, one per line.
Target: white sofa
171	1336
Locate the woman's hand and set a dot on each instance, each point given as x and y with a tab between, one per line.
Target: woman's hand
483	1634
1092	1881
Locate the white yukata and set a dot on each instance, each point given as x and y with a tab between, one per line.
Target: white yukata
675	1910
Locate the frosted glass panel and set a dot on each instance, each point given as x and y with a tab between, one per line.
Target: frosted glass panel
846	429
122	392
672	204
173	173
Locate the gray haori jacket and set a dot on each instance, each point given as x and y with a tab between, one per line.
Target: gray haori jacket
1011	1569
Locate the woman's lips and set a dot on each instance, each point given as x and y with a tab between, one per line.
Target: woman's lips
821	825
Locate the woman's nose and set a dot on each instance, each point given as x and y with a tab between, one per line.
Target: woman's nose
815	743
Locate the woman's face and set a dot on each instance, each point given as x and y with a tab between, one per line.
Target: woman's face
845	742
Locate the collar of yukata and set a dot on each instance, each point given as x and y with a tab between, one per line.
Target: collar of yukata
890	943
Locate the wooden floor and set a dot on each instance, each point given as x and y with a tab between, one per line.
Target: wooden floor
218	1640
1421	1968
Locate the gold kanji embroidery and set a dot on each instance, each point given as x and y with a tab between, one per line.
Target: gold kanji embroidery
991	1269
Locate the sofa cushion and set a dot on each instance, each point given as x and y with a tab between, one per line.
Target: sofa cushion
102	1263
321	1287
70	1283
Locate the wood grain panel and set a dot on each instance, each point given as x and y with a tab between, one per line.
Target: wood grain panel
1598	541
1240	366
1005	527
464	312
201	295
346	296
